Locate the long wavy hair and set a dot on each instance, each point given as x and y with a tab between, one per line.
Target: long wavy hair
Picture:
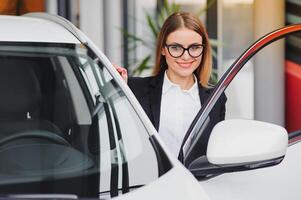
185	20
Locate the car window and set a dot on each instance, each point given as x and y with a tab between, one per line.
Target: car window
66	127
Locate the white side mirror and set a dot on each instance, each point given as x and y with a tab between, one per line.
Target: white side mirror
240	141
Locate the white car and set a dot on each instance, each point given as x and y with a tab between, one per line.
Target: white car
71	128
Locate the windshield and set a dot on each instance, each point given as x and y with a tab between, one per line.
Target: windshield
66	127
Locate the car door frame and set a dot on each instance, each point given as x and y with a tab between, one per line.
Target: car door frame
195	131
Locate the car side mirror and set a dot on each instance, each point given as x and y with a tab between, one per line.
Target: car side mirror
237	145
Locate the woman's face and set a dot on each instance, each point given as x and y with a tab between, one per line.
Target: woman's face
185	65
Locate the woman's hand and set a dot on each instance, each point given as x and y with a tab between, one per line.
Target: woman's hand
122	71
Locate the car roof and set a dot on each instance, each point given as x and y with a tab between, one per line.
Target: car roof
30	29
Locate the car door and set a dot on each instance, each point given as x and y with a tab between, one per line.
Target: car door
244	181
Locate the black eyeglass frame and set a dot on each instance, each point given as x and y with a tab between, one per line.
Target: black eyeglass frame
184	49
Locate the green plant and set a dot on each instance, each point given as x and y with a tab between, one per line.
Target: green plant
155	24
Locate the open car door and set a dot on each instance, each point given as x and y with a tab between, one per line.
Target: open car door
236	144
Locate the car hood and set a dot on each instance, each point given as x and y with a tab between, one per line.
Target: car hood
178	183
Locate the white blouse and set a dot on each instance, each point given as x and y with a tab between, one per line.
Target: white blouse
178	109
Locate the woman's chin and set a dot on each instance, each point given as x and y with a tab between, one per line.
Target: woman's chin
185	72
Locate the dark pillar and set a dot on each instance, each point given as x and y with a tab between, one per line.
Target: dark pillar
64	8
211	24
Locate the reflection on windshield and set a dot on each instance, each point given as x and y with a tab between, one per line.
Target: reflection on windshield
66	127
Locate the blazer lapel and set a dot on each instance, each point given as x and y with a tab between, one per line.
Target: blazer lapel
203	93
155	98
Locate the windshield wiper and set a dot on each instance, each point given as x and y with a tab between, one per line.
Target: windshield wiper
104	97
125	169
114	156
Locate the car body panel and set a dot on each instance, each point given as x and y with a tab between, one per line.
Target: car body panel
33	30
277	182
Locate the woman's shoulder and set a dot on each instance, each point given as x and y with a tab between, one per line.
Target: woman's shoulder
139	81
134	79
140	85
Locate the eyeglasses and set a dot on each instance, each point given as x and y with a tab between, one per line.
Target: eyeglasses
176	50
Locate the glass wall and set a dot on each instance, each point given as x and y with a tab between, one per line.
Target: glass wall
141	39
236	33
193	6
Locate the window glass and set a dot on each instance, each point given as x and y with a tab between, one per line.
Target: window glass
66	127
132	147
237	28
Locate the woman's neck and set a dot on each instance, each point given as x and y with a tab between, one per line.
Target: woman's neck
185	82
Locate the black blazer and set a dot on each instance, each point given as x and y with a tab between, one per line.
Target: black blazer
148	91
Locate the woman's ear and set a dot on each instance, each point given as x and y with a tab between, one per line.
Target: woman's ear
163	52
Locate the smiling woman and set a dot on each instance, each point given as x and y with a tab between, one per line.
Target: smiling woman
172	97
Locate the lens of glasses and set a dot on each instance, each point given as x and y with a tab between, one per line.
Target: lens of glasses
177	50
195	50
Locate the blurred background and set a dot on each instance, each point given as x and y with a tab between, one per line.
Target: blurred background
268	89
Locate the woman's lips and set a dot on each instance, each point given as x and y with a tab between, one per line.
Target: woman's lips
185	64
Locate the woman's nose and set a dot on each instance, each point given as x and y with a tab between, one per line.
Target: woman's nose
186	55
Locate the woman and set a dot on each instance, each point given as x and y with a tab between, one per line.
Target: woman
173	96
